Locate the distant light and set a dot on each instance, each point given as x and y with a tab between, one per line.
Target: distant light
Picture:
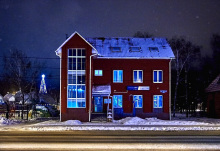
43	76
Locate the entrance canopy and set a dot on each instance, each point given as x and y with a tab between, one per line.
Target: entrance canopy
101	90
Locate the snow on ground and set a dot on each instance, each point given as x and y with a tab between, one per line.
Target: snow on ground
128	123
4	121
131	124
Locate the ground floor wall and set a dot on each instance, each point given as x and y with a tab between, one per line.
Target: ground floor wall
75	114
213	105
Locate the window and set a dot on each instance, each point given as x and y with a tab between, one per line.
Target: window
158	101
118	76
98	72
135	49
153	49
115	49
138	76
158	76
138	101
117	101
76	78
106	101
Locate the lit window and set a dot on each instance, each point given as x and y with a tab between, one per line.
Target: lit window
117	76
138	101
98	72
158	101
158	76
138	76
76	78
117	101
106	101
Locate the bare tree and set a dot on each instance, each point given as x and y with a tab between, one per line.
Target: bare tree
184	52
21	72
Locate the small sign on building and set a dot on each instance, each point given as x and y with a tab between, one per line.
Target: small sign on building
136	88
163	91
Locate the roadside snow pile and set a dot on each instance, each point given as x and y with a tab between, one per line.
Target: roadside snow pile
155	121
131	121
72	122
4	121
52	122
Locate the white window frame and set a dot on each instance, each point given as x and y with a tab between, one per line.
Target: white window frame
118	76
98	73
158	76
137	103
158	102
138	76
75	72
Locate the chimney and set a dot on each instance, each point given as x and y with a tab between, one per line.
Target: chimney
67	36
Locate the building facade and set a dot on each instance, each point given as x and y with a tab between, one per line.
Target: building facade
213	98
127	76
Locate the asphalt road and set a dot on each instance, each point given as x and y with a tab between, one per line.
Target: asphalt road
109	140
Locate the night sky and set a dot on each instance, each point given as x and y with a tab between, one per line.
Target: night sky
38	27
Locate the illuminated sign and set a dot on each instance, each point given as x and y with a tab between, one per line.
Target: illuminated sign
136	88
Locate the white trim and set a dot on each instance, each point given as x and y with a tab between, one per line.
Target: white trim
158	102
58	51
170	89
137	103
138	76
118	76
157	76
167	58
60	87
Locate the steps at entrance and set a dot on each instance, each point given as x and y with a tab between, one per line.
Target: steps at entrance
99	117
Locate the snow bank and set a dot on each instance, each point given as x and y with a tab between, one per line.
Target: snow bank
72	122
155	121
131	121
4	121
52	122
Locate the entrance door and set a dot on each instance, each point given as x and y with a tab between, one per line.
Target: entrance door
98	104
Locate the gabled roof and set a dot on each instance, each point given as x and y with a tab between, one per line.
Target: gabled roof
215	85
157	48
58	51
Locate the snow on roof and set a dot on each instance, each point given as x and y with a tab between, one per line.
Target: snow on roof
101	89
215	85
148	48
58	51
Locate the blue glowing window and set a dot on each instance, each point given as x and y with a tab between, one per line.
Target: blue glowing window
137	76
138	101
76	103
158	101
158	76
98	72
118	76
117	101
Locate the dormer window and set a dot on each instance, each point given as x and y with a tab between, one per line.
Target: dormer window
135	49
153	49
115	49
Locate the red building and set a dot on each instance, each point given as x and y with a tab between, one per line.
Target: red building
125	76
213	99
